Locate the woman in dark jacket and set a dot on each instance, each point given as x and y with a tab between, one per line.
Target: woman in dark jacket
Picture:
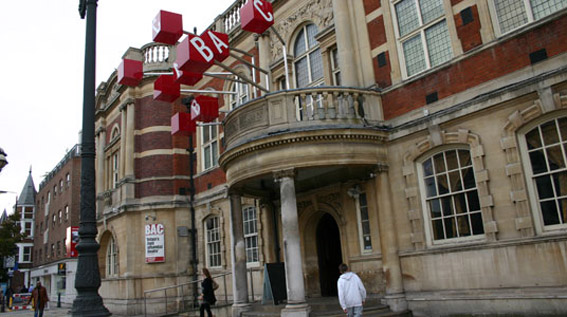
208	294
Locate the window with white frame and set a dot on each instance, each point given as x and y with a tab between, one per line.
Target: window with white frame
512	14
111	258
335	69
28	228
115	169
27	254
210	146
212	227
451	203
67	180
364	222
250	223
241	94
423	35
66	213
546	147
308	63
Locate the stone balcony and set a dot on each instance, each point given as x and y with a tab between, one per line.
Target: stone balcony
325	133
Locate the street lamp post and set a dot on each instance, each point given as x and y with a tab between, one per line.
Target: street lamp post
87	279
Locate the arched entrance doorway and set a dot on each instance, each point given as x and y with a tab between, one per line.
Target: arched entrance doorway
329	254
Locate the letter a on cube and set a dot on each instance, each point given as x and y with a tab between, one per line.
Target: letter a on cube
167	27
181	124
166	88
218	43
193	55
256	16
130	72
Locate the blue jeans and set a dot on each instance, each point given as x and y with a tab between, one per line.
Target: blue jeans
38	313
354	311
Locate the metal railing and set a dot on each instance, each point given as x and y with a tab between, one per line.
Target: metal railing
180	298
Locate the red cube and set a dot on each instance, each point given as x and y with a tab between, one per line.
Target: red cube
193	55
205	108
181	124
166	88
256	16
185	77
130	72
218	43
167	27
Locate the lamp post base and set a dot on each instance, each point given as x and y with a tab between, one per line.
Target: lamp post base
89	305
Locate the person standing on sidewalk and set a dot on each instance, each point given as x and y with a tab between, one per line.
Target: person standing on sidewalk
39	297
352	293
207	297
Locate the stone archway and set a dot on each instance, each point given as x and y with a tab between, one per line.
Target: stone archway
329	255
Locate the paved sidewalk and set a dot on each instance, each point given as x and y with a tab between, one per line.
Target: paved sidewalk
49	312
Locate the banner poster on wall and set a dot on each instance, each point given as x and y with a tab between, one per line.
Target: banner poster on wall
155	243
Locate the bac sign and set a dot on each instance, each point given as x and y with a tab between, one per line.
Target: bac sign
256	16
155	242
181	124
204	108
130	72
167	27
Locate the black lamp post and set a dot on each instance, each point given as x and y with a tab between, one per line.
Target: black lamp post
87	279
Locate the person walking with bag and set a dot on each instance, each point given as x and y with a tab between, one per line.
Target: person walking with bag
39	297
352	293
207	297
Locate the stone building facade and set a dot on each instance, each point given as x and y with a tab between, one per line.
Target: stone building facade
57	211
420	142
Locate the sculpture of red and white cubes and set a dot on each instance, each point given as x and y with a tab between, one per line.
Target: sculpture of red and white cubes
256	16
167	27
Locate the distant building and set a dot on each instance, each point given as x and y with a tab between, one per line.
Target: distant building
57	212
25	206
424	143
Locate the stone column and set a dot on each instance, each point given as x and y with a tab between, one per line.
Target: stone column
100	144
123	129
239	279
296	304
129	148
264	62
345	44
391	266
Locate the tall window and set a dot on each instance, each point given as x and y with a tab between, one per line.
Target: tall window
66	213
115	169
27	254
28	228
210	146
67	179
335	70
512	14
307	54
451	197
364	223
422	34
546	147
249	219
111	258
213	242
241	95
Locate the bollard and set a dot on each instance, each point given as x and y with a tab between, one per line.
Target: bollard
58	299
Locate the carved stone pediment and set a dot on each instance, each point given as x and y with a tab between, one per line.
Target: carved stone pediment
319	12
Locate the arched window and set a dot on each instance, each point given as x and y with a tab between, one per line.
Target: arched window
241	95
450	196
111	258
308	64
213	240
545	148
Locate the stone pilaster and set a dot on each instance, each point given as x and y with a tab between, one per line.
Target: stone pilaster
345	44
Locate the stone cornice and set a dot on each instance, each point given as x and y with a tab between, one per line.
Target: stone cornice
318	138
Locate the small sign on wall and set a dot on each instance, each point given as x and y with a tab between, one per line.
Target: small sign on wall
155	243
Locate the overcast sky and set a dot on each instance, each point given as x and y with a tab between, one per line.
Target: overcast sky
42	64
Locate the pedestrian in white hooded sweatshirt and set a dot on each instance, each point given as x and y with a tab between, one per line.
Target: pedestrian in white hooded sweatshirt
352	293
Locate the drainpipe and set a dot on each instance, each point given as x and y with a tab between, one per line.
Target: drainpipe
194	260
